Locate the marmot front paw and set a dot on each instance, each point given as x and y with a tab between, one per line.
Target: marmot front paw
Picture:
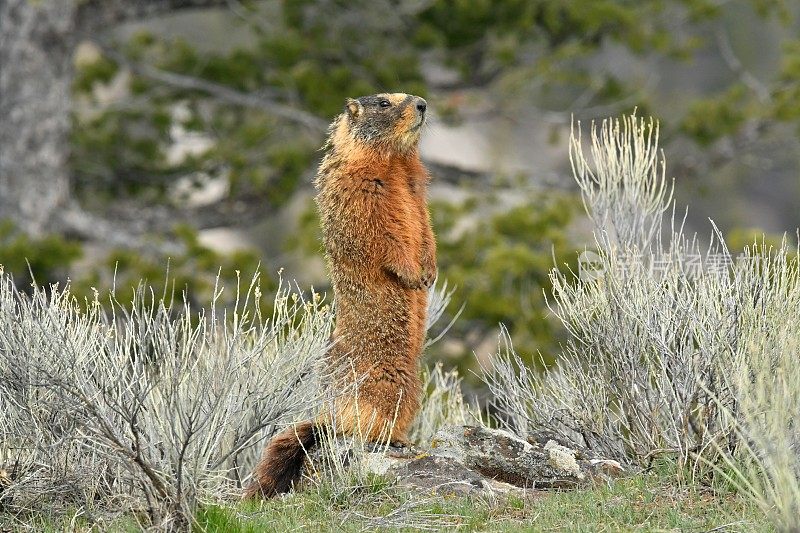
429	270
428	278
408	279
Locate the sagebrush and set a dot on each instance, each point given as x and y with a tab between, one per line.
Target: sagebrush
149	404
674	350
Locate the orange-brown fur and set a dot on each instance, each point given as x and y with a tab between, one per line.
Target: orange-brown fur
381	254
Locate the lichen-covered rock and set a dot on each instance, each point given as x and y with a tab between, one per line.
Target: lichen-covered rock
471	460
562	459
500	455
442	475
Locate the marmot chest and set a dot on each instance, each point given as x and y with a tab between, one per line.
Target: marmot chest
365	210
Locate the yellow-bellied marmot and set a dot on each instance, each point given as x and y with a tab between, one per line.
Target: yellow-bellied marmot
381	254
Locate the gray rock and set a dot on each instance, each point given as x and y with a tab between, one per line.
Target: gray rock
442	475
499	455
471	460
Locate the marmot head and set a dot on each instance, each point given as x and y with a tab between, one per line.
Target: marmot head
390	121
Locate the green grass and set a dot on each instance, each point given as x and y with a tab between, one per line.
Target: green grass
642	503
648	502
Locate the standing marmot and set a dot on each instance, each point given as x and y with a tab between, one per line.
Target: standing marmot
381	254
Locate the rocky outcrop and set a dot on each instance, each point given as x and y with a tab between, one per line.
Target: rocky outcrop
472	460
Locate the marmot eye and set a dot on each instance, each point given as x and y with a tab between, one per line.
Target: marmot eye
384	103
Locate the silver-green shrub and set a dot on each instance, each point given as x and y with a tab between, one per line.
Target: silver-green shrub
666	341
765	463
149	405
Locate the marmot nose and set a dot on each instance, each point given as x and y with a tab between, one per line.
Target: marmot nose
422	105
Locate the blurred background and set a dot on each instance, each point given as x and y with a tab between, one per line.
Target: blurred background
173	141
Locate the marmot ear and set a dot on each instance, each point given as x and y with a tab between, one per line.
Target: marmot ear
353	107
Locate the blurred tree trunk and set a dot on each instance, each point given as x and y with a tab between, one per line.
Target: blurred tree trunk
36	43
37	40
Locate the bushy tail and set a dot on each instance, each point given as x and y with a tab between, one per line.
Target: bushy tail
282	461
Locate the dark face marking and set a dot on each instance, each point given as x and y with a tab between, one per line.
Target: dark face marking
381	113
